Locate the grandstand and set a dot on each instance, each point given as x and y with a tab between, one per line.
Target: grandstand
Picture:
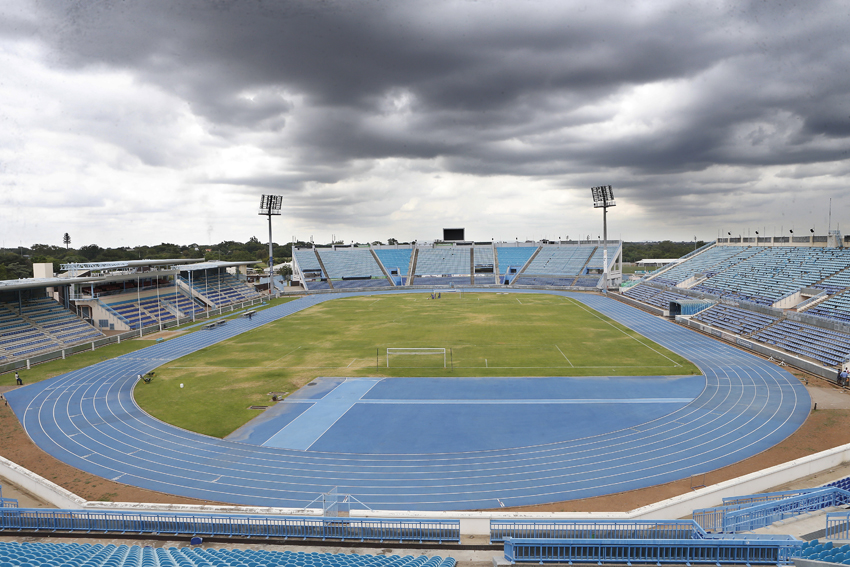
216	289
39	324
443	264
791	297
42	318
160	292
456	264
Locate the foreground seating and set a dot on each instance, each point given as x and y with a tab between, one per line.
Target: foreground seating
99	555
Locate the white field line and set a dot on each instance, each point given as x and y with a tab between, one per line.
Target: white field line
287	354
564	355
621	330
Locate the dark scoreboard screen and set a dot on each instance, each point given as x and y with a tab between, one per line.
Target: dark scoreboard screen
453	234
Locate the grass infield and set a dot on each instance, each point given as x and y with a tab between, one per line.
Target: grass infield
485	335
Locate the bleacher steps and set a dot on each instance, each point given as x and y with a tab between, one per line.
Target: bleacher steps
171	308
414	257
324	271
193	293
584	266
527	264
495	264
380	265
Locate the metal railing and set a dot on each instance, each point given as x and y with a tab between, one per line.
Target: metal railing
373	529
752	550
502	530
751	499
751	516
837	525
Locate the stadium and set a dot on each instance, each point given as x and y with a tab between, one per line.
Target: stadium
438	395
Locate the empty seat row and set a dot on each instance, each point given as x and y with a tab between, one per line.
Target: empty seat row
99	555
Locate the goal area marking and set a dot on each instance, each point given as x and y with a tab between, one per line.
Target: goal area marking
415	352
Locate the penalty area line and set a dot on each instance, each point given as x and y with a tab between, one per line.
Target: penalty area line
287	354
564	355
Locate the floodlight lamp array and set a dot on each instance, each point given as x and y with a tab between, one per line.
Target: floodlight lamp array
603	196
270	204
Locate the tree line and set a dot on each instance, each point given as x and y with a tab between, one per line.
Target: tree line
17	263
634	251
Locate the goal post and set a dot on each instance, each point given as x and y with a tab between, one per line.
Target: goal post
433	354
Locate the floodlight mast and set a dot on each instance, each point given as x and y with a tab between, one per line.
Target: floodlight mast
270	205
603	197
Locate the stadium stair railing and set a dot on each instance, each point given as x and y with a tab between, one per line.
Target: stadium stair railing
749	550
319	527
837	526
748	516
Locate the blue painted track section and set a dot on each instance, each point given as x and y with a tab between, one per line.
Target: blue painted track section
88	418
447	415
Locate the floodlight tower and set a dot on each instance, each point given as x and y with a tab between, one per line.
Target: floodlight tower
270	205
603	197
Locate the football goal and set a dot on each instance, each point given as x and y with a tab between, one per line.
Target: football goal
416	357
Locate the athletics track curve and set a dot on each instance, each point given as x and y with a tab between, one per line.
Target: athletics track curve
88	419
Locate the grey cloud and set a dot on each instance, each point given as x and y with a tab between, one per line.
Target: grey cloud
484	88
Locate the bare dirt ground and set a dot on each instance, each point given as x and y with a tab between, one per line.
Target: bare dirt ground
827	427
161	335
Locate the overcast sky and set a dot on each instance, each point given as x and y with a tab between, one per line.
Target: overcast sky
140	122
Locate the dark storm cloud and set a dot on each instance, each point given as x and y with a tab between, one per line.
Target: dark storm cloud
514	88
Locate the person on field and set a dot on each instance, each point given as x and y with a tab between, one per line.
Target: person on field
18	380
842	377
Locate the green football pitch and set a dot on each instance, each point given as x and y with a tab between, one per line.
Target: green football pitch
482	334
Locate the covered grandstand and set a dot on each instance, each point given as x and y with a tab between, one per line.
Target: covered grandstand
92	304
142	293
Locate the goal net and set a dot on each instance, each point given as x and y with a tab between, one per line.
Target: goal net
416	357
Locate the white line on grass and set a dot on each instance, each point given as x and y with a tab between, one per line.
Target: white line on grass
564	355
287	354
518	301
621	330
352	362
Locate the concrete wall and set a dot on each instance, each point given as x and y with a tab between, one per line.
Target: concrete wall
40	486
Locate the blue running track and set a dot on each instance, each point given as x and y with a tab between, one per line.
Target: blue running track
88	418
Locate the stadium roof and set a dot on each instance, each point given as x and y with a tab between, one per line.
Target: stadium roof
36	283
216	264
100	266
